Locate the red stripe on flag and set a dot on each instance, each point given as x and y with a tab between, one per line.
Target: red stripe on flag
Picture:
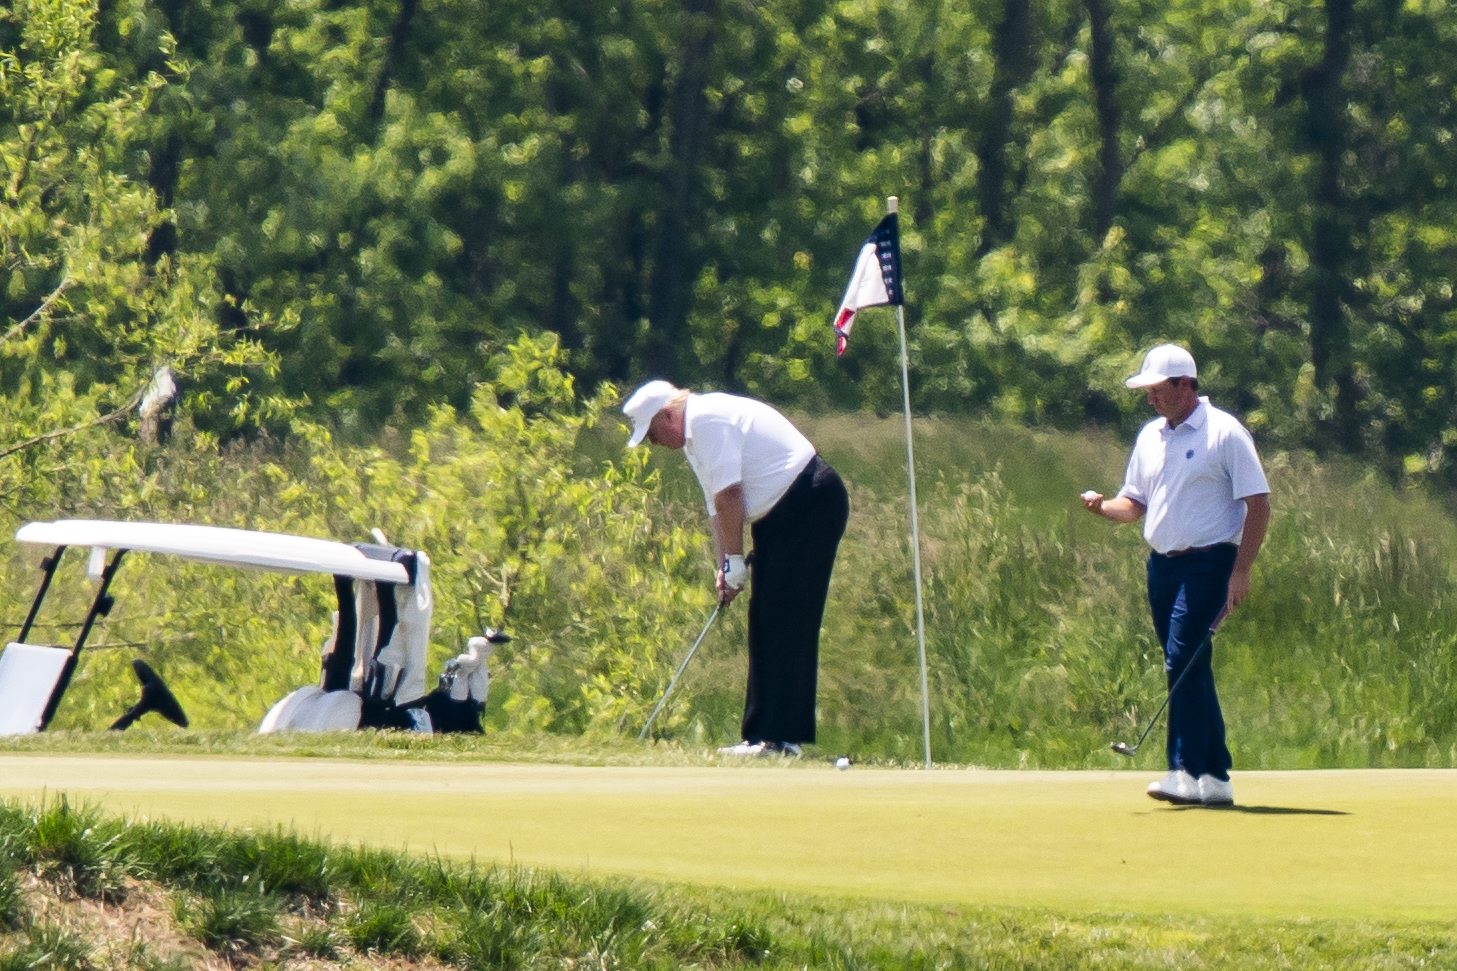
842	330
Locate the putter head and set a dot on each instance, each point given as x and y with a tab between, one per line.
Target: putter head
1122	748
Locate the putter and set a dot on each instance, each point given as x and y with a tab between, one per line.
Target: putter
679	673
1123	748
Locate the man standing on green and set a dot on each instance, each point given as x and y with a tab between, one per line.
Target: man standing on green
758	470
1195	479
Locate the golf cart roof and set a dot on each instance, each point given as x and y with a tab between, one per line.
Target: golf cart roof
217	544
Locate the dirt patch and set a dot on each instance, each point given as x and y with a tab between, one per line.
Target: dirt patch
139	928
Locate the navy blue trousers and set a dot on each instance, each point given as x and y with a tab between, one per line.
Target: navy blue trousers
1186	594
794	555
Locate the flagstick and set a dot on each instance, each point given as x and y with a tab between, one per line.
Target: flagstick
891	205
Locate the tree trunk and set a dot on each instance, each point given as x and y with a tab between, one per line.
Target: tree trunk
1332	243
1104	78
399	37
670	291
1012	48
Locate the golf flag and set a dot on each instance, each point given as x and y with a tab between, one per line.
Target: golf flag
876	280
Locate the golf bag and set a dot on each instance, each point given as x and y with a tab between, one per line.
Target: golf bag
459	700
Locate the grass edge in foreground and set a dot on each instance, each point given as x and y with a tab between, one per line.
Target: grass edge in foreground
256	898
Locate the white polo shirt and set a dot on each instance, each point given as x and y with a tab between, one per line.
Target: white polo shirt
1191	479
731	440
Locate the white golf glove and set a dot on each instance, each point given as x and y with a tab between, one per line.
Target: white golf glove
735	571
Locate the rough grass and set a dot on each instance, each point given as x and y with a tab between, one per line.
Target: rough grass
974	837
385	911
1039	646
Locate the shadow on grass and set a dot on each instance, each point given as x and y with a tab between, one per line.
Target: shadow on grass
1265	810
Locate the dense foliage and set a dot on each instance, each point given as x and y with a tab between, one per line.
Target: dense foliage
94	305
403	257
376	195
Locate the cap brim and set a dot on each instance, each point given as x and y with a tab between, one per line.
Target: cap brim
639	432
1145	380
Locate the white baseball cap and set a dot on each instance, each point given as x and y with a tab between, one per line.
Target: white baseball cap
1164	362
644	404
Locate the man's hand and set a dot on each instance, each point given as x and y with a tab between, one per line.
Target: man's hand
1120	509
732	576
1239	590
1257	522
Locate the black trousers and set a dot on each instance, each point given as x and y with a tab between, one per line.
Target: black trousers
789	575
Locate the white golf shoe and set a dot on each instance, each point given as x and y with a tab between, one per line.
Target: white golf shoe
1178	787
745	749
1215	792
751	750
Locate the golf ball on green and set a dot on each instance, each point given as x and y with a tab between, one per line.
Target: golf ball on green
842	763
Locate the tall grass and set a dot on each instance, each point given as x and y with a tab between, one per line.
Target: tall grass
1039	647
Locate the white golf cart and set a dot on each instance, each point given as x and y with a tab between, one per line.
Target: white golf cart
373	668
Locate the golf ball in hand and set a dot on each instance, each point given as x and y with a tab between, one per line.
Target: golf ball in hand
1089	496
842	763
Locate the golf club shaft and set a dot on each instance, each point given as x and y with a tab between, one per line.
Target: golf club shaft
679	673
1178	681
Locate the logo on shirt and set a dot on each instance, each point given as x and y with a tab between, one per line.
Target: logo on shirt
1189	454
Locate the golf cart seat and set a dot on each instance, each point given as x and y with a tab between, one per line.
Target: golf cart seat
372	670
29	674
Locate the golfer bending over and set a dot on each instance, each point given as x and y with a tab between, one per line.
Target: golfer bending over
1195	479
757	469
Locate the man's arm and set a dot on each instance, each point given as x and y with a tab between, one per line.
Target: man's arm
1257	523
1120	509
728	521
728	533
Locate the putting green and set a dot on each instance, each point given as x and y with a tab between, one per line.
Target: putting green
1342	844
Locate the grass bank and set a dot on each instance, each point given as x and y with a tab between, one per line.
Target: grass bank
81	890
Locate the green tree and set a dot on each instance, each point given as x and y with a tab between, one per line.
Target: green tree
1375	115
90	310
681	190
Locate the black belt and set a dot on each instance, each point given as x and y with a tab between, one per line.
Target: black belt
1194	549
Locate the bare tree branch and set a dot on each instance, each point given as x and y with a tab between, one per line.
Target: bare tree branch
36	314
63	432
